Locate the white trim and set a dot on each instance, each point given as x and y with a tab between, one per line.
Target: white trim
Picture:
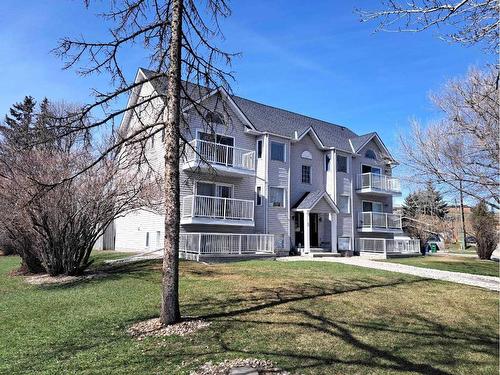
198	131
314	136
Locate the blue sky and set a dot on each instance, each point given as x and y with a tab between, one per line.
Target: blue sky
318	60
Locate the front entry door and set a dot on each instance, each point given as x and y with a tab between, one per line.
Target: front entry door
314	229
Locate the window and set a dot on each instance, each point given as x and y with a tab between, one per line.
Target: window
147	239
344	243
153	141
214	190
276	197
259	149
327	162
216	138
306	174
258	196
344	205
162	135
370	169
306	155
341	163
370	154
214	118
277	151
372	207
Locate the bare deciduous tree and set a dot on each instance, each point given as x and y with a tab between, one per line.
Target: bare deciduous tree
464	21
461	151
54	227
177	38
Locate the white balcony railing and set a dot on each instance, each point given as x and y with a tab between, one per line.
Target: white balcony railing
387	246
219	154
380	182
225	244
379	220
217	208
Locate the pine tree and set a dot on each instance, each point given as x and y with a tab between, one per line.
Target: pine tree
17	125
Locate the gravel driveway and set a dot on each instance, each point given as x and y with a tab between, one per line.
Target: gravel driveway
487	282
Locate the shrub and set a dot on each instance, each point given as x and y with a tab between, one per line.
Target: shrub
484	224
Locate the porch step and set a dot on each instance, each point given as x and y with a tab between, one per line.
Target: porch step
325	255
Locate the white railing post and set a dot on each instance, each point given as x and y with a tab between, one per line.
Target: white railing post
239	245
386	221
384	242
199	244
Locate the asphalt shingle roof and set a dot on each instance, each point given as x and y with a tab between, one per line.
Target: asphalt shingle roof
309	200
279	121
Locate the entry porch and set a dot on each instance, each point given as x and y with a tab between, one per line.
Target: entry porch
314	224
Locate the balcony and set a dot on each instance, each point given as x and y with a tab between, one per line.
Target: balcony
225	160
387	247
202	209
379	222
205	246
379	184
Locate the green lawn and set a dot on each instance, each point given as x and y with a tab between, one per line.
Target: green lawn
308	317
456	249
453	263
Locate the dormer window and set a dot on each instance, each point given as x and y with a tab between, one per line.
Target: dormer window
370	154
214	118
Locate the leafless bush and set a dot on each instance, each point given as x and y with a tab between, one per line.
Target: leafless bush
59	206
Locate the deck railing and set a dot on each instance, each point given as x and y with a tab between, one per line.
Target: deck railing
379	182
225	244
216	153
379	220
217	208
387	246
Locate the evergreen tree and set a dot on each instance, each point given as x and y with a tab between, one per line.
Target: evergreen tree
484	224
432	202
17	125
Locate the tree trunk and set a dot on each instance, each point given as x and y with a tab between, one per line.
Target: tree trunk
170	312
462	216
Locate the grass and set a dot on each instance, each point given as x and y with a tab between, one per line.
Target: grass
308	317
455	248
453	263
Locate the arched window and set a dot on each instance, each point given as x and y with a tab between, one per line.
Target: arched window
370	154
306	155
214	118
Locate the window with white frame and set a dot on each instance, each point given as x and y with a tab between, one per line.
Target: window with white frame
277	151
344	204
327	162
147	239
214	190
306	174
344	243
258	196
259	149
341	163
276	197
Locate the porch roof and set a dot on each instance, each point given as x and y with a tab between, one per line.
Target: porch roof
310	199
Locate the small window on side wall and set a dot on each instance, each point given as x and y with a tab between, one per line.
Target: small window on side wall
341	163
344	204
276	197
370	154
259	149
344	243
306	174
277	151
214	118
258	196
327	162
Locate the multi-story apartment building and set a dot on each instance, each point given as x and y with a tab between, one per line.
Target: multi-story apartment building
264	179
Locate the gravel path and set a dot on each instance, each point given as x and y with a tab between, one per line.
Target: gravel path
487	282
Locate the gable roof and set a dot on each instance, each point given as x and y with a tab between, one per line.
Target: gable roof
310	199
281	122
